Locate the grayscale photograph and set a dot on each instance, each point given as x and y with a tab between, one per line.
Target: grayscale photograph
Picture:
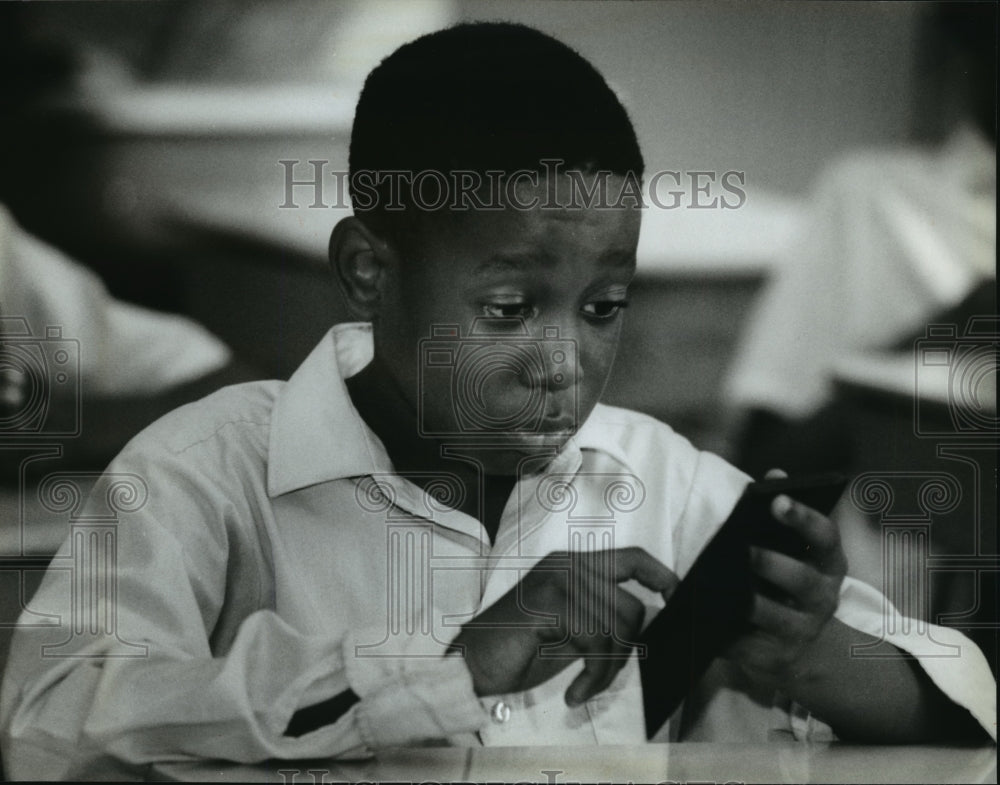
498	391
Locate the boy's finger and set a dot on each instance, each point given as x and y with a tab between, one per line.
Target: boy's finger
628	615
599	670
617	566
783	621
759	650
799	579
637	564
820	534
591	680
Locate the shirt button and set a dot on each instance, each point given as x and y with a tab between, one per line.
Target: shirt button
500	712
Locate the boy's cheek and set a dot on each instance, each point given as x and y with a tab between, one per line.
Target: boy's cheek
596	371
492	403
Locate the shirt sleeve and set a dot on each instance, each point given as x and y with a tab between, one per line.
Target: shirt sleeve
953	662
723	707
134	670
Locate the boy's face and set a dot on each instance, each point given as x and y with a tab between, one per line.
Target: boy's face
550	284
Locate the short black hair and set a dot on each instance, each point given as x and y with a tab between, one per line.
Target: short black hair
488	96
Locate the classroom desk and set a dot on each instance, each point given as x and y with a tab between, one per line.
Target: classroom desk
684	762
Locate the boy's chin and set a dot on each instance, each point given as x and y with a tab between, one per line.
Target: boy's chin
514	456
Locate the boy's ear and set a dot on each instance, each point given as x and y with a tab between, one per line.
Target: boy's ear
359	258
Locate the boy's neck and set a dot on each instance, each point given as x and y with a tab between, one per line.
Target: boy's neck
386	411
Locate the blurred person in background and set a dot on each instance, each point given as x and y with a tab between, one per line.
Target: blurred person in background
827	374
893	240
127	364
257	568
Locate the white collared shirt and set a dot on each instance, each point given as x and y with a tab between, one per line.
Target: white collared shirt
891	238
258	554
127	349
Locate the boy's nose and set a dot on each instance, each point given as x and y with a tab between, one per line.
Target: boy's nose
556	366
563	370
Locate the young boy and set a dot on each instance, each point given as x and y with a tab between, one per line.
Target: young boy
433	530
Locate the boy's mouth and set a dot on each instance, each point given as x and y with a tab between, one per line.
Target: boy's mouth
552	431
549	429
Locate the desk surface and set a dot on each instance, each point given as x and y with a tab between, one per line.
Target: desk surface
686	762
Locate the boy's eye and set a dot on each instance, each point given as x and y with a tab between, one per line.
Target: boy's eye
604	309
509	310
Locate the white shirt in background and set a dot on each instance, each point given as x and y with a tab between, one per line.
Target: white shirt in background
123	349
889	239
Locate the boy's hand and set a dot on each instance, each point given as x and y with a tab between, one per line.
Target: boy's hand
567	607
777	650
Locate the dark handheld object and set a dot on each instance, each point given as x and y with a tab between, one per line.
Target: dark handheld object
710	608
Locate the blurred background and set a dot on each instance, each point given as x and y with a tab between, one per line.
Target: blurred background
141	176
144	140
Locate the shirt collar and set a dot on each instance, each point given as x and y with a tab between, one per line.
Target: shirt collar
317	435
599	434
